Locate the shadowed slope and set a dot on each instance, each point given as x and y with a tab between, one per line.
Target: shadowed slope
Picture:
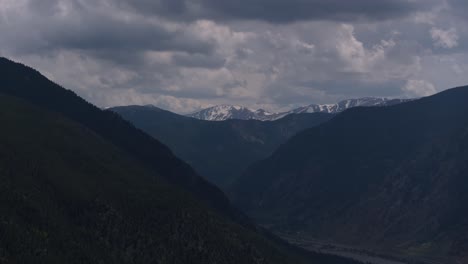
74	192
390	177
69	196
220	151
23	82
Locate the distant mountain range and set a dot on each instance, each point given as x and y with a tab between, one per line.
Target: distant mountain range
226	112
220	151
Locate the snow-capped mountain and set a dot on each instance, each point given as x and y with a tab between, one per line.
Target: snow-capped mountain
347	104
226	112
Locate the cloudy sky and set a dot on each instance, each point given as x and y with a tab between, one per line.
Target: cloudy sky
183	55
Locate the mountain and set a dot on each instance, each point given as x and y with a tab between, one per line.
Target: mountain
226	112
220	151
21	81
347	104
70	196
71	193
387	178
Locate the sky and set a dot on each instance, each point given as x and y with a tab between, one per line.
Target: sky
184	55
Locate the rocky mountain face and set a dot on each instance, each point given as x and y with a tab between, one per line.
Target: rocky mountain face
227	112
220	151
391	178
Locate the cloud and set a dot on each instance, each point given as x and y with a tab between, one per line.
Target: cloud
276	11
458	7
419	88
444	38
355	56
183	55
198	61
79	25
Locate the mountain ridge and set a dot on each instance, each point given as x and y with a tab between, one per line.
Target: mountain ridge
219	151
70	196
73	192
226	112
391	177
21	81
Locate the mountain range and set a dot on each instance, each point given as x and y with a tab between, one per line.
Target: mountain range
226	112
81	185
220	151
85	185
383	178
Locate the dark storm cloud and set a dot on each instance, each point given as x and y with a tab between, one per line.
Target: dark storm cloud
278	11
88	28
96	33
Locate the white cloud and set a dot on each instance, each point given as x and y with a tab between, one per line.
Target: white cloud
444	38
418	88
425	18
356	56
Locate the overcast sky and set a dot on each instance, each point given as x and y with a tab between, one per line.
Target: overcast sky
183	55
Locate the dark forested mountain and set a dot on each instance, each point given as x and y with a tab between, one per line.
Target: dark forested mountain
220	151
23	82
71	193
69	196
391	177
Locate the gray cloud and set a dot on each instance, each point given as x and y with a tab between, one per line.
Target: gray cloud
280	11
183	55
277	11
74	25
198	61
459	7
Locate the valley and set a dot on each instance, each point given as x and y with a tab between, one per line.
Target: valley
362	254
81	185
220	151
233	132
399	184
289	191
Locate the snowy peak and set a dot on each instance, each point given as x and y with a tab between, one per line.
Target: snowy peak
347	104
226	112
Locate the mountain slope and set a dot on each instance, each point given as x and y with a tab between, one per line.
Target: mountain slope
391	178
227	112
23	82
68	196
220	151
